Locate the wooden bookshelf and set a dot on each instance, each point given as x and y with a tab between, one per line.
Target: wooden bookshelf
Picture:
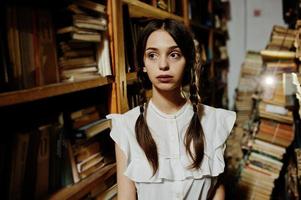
27	95
79	189
210	40
117	85
140	9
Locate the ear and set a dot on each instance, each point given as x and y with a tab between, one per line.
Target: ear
144	69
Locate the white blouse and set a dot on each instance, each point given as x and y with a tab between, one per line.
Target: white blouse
173	179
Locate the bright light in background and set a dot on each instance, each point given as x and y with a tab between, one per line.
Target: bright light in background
269	80
269	83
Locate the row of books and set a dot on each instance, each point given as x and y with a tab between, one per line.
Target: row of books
48	157
35	163
39	44
29	37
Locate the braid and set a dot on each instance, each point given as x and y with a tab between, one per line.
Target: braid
195	134
143	134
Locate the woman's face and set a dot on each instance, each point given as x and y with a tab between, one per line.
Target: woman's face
163	61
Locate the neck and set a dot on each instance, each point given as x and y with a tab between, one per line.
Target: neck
168	102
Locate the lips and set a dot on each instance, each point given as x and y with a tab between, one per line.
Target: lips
164	78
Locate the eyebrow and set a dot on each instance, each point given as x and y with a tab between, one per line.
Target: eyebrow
169	48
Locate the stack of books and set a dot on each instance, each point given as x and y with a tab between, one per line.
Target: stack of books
274	133
264	163
88	142
83	41
279	53
273	104
248	85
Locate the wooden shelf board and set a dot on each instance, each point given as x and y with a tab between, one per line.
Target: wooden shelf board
27	95
72	190
140	9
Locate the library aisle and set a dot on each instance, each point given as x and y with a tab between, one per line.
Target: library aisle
67	64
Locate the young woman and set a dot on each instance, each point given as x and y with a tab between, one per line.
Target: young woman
169	147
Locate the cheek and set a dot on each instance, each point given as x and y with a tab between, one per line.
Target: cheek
180	68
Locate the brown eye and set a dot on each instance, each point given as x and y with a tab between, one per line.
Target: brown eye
152	56
175	55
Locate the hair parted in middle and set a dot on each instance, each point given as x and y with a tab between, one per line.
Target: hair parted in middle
194	136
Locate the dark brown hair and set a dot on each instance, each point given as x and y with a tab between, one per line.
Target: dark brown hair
194	136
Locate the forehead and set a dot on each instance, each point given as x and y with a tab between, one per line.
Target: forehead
160	38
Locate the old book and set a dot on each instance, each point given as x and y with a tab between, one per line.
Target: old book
92	170
77	62
30	178
97	7
89	22
278	113
289	89
109	194
72	162
281	66
18	165
75	45
42	177
267	148
5	72
265	160
25	28
73	29
284	30
70	72
79	113
89	162
273	54
55	157
85	119
86	36
46	54
103	57
78	53
84	151
14	47
94	128
80	77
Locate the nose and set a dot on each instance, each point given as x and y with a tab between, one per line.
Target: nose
163	64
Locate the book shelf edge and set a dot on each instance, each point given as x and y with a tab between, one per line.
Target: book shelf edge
140	9
69	191
51	90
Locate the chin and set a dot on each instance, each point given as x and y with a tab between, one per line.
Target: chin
166	87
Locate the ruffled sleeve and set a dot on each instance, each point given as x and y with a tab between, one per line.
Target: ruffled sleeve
120	133
224	123
123	134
